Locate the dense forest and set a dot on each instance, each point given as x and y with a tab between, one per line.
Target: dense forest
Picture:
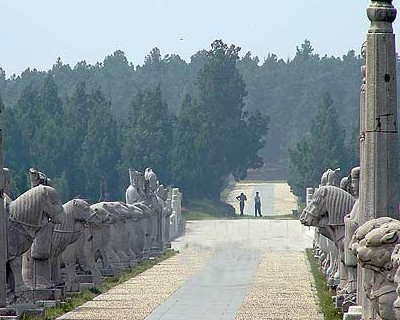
195	122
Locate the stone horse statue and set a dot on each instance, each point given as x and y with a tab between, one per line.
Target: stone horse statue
326	211
30	212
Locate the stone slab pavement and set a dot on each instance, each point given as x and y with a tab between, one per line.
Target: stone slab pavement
225	269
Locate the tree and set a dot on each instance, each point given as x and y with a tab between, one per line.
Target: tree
47	142
185	158
147	135
224	140
322	148
76	116
100	148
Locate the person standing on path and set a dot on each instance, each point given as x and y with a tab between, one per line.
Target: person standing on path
242	198
257	205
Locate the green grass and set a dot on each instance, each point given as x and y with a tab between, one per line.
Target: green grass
207	209
325	298
80	298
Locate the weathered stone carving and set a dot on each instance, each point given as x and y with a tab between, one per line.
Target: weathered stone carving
78	215
375	245
326	211
91	245
29	213
351	222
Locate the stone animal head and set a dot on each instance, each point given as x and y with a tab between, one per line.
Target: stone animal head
374	243
315	212
328	206
100	216
52	205
118	209
79	209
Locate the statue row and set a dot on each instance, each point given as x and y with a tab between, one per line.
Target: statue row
347	248
49	244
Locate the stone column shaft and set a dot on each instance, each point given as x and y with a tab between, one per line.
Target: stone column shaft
378	148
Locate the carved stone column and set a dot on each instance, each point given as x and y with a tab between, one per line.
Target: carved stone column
378	172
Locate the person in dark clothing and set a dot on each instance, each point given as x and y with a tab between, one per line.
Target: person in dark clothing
242	198
257	205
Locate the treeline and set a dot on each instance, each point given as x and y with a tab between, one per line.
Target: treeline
84	127
289	92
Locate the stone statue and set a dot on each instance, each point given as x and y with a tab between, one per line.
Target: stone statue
91	245
329	177
29	213
351	222
135	195
375	245
326	211
39	255
78	215
166	211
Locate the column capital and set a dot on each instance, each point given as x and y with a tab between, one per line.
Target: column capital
381	13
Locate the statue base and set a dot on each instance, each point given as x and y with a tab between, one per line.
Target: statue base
354	313
86	286
111	272
39	295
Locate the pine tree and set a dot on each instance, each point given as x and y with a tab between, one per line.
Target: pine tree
321	149
147	135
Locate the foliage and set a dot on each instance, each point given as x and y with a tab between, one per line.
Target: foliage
147	135
215	129
322	148
55	120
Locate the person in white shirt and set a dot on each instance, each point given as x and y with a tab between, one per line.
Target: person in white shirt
257	205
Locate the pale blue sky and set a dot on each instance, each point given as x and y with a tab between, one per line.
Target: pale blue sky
34	33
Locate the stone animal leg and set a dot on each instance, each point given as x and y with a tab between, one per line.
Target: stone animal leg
69	259
16	269
90	252
42	276
55	271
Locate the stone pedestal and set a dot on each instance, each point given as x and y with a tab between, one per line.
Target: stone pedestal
354	313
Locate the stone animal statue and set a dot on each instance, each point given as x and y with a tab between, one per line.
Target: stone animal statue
29	213
121	213
326	211
78	216
374	243
36	261
91	245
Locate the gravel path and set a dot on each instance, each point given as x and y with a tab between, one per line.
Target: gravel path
226	269
281	289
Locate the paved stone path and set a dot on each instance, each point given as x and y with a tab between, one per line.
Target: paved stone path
226	269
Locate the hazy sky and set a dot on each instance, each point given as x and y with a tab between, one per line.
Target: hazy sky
35	33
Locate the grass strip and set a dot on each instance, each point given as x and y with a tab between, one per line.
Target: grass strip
80	298
324	296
